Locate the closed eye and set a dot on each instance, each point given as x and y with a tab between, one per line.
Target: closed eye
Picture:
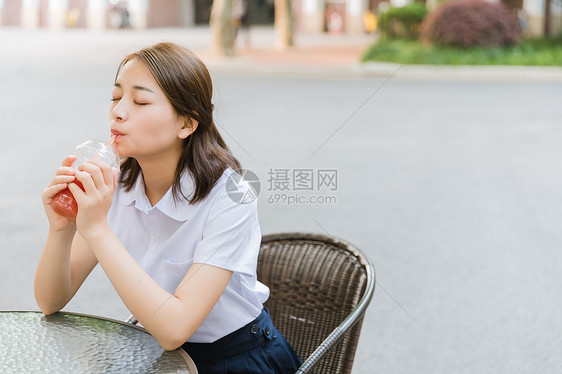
134	101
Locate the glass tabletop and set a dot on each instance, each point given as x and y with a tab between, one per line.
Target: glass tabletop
31	342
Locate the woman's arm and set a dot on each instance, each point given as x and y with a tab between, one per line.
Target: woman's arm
66	259
65	263
171	319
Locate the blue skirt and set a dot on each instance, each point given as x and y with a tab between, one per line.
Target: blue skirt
256	348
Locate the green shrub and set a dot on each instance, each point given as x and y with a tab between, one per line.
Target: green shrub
532	52
402	22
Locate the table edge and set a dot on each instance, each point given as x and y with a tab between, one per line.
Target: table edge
79	315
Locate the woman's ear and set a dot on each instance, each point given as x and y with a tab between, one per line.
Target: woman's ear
189	125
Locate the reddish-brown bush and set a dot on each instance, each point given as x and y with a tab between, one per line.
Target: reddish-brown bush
471	23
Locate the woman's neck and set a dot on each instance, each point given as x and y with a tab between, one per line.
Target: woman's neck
158	178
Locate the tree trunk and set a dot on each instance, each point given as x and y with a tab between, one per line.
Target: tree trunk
223	27
547	13
284	23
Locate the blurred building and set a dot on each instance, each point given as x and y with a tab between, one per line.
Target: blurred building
97	14
336	16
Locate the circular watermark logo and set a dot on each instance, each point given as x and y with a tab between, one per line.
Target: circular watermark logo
243	186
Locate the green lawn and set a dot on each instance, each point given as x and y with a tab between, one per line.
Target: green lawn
535	52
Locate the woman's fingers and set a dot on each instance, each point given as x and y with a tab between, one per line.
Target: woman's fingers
68	160
66	170
54	189
109	175
95	173
51	191
62	178
77	192
86	182
95	176
101	173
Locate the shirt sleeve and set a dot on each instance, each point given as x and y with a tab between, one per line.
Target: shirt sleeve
231	236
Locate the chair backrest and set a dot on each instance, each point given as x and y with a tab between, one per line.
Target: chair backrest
320	287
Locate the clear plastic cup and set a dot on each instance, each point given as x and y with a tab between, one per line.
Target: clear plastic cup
64	203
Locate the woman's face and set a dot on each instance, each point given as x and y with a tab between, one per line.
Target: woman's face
142	117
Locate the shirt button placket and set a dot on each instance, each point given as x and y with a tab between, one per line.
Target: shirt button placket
152	229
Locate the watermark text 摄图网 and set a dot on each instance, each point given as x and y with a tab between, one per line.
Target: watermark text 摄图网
302	179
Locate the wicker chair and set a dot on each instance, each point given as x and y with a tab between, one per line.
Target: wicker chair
320	288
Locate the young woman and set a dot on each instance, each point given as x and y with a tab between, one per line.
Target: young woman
180	253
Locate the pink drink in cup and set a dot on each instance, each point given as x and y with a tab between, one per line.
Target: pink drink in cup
64	203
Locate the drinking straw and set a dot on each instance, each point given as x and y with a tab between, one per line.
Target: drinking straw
111	140
108	144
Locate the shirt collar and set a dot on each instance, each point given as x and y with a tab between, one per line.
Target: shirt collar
180	210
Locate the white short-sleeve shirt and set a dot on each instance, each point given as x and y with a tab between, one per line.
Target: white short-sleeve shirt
165	239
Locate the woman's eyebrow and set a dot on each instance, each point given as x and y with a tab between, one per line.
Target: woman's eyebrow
142	88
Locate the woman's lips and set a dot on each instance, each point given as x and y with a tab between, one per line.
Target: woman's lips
117	134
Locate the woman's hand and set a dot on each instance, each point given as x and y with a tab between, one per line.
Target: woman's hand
94	201
64	176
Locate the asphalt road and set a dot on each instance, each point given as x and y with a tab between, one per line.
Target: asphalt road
451	187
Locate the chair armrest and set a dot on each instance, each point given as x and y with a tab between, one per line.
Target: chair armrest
326	345
344	327
132	320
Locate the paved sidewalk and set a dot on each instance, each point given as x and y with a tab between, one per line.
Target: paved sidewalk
313	55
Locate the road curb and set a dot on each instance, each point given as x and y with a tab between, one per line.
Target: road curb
388	70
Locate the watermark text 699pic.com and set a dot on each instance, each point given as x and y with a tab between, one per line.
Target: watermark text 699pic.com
283	198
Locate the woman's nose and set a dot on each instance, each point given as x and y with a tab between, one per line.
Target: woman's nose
118	113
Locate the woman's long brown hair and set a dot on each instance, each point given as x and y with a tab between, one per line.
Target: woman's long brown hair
187	83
